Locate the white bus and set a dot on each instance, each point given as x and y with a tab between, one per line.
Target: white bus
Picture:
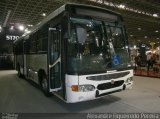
78	52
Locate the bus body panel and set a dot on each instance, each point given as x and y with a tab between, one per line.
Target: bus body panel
69	81
35	62
75	96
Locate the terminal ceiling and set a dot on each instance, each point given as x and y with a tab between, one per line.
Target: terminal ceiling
142	17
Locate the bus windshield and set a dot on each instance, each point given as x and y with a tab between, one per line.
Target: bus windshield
95	46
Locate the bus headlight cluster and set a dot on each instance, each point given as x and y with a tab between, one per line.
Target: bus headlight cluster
130	79
82	88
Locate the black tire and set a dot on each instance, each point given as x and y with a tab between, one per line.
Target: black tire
45	85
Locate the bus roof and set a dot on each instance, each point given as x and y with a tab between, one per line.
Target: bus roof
62	9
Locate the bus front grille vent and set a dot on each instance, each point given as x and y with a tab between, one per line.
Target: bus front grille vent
108	76
109	85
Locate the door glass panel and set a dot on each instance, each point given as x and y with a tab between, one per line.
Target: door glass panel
54	55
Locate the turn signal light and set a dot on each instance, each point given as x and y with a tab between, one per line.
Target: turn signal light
74	88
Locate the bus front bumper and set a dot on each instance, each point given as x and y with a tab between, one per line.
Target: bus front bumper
91	95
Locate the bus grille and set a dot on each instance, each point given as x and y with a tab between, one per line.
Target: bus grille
105	86
108	76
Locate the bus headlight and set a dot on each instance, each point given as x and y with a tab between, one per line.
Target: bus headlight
130	79
82	88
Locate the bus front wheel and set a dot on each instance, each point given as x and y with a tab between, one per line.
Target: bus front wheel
44	85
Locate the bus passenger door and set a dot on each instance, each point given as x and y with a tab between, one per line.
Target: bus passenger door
54	58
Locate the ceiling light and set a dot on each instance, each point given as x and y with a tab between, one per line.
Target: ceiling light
139	28
156	31
121	6
126	47
44	14
155	15
145	36
12	27
134	46
26	30
21	28
30	25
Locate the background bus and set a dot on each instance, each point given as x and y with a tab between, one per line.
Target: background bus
78	52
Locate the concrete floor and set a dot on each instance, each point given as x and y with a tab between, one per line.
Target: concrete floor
19	96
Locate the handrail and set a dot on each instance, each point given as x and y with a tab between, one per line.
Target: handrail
58	60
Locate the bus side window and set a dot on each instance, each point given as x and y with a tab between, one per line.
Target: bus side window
42	43
27	46
19	48
55	45
33	41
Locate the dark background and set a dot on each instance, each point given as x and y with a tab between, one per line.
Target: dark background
7	37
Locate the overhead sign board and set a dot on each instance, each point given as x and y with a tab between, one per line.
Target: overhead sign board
11	37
